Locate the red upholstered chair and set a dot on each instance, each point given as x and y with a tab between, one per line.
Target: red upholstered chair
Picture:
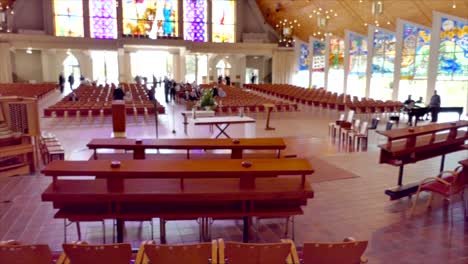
15	253
349	251
82	253
253	253
200	253
446	184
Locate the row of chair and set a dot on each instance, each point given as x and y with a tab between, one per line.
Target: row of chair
352	131
240	100
95	101
326	99
218	251
26	89
50	148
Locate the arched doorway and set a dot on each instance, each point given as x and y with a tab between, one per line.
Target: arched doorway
223	68
72	66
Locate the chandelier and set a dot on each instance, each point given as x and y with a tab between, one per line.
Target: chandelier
323	17
285	30
6	11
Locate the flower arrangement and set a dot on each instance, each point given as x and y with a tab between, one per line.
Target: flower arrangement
207	101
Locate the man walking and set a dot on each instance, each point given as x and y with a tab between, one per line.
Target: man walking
61	82
71	80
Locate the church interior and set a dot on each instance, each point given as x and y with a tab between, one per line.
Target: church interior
233	131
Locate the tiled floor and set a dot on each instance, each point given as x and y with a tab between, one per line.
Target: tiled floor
342	207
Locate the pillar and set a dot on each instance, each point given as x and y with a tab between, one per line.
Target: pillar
5	63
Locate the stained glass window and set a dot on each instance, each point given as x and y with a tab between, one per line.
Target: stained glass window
357	65
336	58
103	19
68	18
318	64
304	57
453	50
224	19
357	54
415	53
384	53
383	63
318	60
150	18
195	18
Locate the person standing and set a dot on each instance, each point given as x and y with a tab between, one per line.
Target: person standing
167	88
61	82
71	80
434	106
408	108
252	79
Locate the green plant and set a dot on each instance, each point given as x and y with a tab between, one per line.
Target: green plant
207	99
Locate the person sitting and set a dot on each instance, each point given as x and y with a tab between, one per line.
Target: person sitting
221	92
128	98
118	94
193	96
215	91
73	97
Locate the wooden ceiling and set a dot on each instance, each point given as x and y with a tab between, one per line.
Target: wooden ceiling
353	14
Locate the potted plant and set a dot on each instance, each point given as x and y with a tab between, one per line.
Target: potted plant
207	101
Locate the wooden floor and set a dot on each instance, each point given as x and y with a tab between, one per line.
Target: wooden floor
351	202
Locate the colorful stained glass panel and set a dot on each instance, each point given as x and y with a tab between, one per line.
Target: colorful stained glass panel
318	59
415	53
384	53
68	18
357	54
223	17
150	18
195	18
304	57
103	19
336	58
453	50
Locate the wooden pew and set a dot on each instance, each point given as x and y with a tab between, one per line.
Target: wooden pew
410	145
139	146
179	189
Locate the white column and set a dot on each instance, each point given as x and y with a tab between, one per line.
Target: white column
370	55
398	59
434	55
240	74
346	62
327	61
182	71
5	63
311	59
125	70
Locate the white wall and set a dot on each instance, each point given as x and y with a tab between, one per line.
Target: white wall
260	63
283	65
28	67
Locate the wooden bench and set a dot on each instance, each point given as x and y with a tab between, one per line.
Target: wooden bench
236	147
410	145
179	189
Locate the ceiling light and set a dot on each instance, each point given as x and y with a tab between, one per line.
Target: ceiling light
29	50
